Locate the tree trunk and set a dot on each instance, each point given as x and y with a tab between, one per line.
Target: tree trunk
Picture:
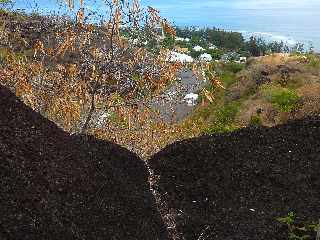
88	119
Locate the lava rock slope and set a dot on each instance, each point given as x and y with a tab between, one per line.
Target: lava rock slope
56	186
235	185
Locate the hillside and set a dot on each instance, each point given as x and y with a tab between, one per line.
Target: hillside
267	91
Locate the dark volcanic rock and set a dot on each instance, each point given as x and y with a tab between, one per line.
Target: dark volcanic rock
234	186
53	186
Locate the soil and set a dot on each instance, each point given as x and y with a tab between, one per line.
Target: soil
235	185
56	186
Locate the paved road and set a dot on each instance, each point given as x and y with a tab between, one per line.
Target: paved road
170	104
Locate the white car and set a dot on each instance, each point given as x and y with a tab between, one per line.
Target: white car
191	99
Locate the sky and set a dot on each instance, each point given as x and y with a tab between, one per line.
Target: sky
289	20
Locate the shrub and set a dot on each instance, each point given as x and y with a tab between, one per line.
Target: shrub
228	78
224	119
283	99
314	61
298	231
227	113
255	120
215	53
195	54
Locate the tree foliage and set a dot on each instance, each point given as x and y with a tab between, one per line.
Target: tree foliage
94	78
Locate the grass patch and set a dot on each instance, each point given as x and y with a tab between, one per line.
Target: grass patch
224	119
314	61
283	99
228	78
233	67
227	113
221	128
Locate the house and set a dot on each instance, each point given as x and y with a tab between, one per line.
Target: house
198	48
229	57
179	39
205	57
179	57
182	39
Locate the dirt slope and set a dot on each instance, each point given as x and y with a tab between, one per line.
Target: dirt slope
234	186
53	186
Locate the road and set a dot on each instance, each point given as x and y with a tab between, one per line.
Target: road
170	104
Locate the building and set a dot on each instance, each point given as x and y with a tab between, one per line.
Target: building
198	48
179	57
205	57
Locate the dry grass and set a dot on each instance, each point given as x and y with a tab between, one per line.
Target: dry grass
310	101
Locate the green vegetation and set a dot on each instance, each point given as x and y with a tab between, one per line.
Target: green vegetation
216	54
227	78
283	99
298	231
5	1
218	37
227	41
314	61
255	120
233	106
233	67
168	42
224	119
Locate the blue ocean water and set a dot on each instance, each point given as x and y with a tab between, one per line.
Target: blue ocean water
290	21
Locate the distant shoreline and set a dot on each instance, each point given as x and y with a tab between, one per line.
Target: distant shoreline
267	36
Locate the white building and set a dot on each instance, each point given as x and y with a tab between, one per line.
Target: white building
182	39
179	57
243	59
205	57
198	48
179	39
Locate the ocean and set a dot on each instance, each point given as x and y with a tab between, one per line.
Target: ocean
291	21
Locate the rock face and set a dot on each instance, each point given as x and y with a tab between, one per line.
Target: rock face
234	186
53	186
